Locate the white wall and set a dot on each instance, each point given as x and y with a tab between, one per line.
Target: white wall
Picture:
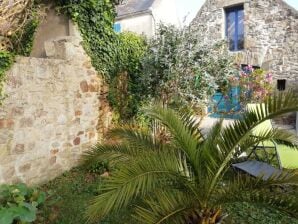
142	24
165	11
162	11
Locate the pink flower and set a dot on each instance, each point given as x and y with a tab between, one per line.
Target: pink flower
269	77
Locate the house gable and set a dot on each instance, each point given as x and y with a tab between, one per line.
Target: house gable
270	34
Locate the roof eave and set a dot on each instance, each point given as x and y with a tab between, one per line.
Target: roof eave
134	14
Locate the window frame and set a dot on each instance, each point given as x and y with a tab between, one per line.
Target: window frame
236	10
117	27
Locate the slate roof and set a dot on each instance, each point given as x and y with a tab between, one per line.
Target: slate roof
133	6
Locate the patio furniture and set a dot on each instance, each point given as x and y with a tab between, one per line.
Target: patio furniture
260	160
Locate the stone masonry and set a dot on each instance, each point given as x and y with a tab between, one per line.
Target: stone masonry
55	110
270	34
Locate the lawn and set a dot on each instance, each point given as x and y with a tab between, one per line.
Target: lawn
69	194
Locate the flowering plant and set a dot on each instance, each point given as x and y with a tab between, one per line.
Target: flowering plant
255	85
250	85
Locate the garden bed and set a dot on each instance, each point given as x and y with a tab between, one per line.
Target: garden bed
69	194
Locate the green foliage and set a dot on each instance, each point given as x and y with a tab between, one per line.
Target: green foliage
99	168
69	194
126	88
23	39
117	56
95	20
6	61
19	203
246	213
255	85
179	66
175	174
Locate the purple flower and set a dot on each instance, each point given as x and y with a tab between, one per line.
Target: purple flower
269	77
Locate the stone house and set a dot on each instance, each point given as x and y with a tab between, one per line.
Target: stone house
262	33
143	16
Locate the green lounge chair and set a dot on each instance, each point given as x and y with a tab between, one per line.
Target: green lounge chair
260	160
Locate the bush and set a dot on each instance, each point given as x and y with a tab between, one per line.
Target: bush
179	66
126	92
19	203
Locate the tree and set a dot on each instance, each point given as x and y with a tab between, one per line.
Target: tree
178	65
182	176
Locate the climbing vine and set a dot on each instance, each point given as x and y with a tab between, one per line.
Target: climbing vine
117	56
22	41
95	20
126	92
6	60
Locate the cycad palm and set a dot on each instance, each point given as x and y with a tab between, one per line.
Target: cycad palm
185	179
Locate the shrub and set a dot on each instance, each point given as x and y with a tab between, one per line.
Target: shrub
178	65
19	203
126	87
255	85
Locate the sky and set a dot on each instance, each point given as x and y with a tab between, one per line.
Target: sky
189	8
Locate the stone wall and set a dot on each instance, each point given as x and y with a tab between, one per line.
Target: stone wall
52	113
52	26
271	34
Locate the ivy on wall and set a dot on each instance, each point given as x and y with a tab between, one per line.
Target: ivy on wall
22	41
126	92
117	56
6	60
95	19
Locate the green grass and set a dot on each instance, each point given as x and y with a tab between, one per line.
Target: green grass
68	197
69	194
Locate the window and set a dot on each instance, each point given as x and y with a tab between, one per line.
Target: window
281	84
117	27
235	28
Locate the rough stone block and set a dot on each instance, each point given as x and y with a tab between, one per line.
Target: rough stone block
84	86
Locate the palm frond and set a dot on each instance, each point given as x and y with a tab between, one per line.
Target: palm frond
112	153
192	123
144	140
188	167
172	207
130	182
274	135
237	132
255	190
185	139
208	156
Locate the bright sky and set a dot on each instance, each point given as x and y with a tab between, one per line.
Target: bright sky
190	8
